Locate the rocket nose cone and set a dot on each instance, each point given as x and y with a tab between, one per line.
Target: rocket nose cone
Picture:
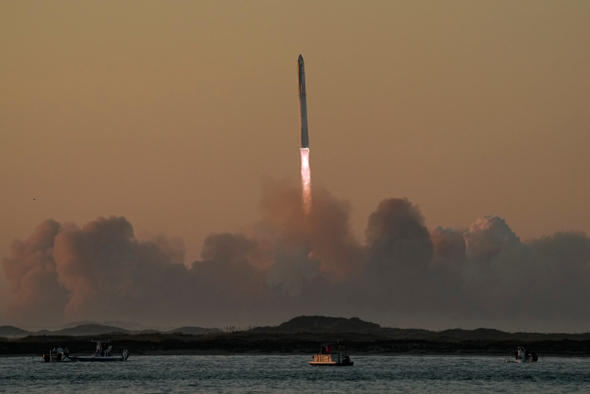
300	60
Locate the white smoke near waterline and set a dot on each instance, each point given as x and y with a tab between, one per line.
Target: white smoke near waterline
293	263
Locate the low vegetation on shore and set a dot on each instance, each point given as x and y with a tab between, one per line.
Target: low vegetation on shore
304	335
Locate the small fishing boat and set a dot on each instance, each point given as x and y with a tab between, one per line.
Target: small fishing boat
521	356
333	355
101	354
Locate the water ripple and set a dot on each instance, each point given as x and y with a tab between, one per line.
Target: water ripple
292	374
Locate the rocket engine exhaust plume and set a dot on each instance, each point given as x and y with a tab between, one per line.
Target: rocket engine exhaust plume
306	179
305	170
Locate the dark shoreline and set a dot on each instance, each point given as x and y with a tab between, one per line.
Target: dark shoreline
352	353
303	335
264	343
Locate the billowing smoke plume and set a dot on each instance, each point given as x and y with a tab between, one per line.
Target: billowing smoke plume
302	259
31	272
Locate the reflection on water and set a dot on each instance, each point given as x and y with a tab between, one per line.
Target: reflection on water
292	374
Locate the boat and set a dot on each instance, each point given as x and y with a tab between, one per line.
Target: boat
521	356
57	354
101	354
332	355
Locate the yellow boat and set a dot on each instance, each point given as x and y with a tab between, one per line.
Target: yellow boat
332	355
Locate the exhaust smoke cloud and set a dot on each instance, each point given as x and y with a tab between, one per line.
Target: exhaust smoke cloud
292	263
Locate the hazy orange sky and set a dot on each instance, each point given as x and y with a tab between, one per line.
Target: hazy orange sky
171	113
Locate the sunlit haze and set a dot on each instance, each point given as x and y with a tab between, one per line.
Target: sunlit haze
450	162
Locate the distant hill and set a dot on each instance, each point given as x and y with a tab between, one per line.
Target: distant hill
193	330
84	330
90	329
129	326
11	331
339	325
474	335
301	334
79	323
314	324
308	327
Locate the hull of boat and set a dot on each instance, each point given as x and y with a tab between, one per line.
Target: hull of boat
97	359
330	364
519	362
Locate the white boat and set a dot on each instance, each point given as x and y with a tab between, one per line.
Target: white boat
521	356
332	355
100	355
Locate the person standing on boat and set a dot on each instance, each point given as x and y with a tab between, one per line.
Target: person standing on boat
521	355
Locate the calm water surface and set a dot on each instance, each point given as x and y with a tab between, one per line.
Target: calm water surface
291	374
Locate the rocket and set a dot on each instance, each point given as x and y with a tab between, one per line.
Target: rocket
302	103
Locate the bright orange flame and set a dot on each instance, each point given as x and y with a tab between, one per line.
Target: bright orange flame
306	179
